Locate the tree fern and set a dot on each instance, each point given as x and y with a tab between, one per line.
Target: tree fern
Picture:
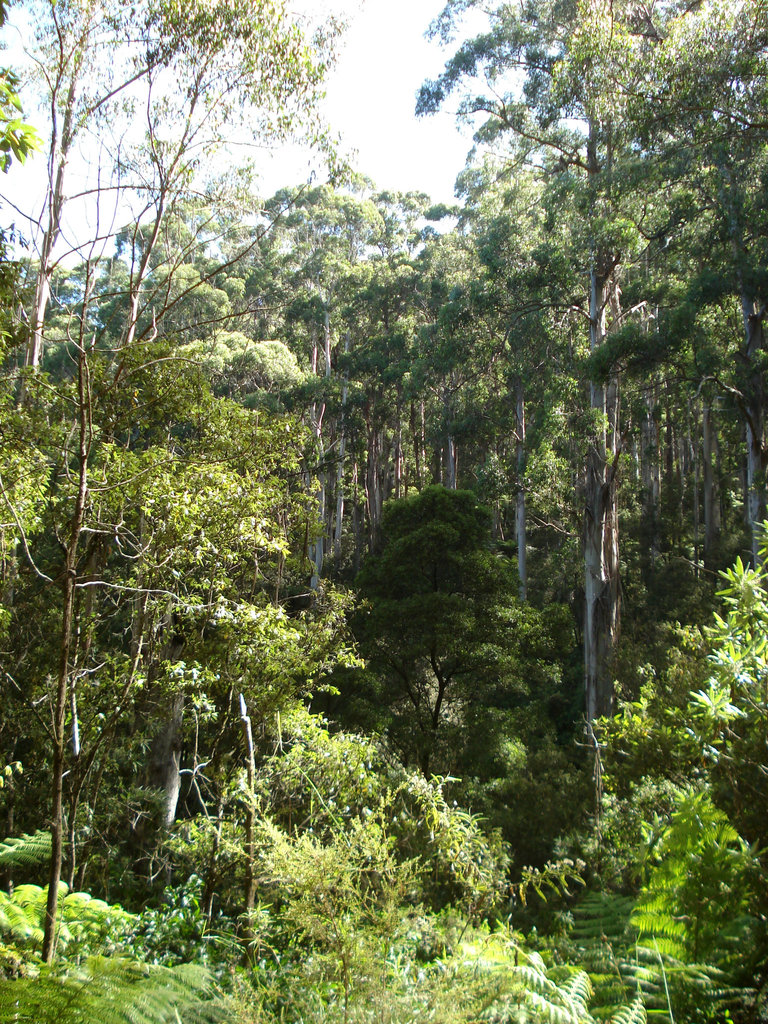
111	991
601	917
623	970
83	920
697	886
24	851
632	1014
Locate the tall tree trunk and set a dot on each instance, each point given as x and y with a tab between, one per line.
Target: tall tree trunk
374	492
58	156
69	587
450	456
754	414
520	522
338	525
317	548
710	486
165	760
250	820
601	524
651	472
753	310
693	447
601	517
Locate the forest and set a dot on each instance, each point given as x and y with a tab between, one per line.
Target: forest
384	603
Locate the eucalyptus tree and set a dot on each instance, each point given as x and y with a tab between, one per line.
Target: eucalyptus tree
385	310
522	292
323	236
701	108
192	79
195	77
540	80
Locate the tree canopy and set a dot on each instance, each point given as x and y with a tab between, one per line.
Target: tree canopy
383	596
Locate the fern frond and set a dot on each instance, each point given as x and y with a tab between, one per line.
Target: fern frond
82	917
601	917
549	1012
554	1001
633	1014
15	924
653	920
577	990
25	850
112	991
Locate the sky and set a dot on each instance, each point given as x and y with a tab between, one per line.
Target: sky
370	101
371	97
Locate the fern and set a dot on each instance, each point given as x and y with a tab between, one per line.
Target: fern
24	851
15	924
697	886
112	991
625	972
601	917
632	1014
83	920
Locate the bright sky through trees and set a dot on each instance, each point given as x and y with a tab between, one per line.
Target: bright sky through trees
371	97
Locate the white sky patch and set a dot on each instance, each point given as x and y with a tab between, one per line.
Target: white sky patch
371	98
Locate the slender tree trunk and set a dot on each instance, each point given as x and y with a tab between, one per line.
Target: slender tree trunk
357	518
423	444
69	587
415	435
753	310
450	464
754	415
374	492
651	473
520	519
250	819
339	521
693	446
58	157
601	525
710	487
317	548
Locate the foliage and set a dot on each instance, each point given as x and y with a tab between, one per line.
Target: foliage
25	850
226	392
729	714
86	924
113	990
178	931
703	866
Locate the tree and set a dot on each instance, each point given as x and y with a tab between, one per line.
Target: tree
194	77
196	80
568	116
448	646
328	233
701	112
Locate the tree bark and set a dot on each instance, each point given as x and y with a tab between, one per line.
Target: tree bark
165	762
520	521
338	525
754	414
601	522
69	586
651	472
709	486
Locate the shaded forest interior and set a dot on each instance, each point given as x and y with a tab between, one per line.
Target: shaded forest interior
384	623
